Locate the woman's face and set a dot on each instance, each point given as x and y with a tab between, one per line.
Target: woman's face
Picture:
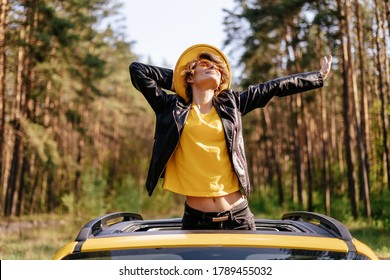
206	74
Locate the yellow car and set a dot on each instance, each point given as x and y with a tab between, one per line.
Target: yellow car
296	236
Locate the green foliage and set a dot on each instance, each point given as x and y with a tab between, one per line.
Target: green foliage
73	117
266	205
381	209
69	202
92	199
338	209
42	142
125	196
97	197
162	204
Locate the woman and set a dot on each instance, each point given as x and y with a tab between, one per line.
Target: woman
198	148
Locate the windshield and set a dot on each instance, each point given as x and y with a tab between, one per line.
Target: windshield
215	253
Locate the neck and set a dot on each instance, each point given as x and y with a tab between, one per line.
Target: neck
203	99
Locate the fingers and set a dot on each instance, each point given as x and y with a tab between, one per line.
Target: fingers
326	65
328	60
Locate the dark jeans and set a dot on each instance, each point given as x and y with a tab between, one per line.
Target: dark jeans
238	218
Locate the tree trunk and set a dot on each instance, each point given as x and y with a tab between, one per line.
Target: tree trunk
325	159
4	6
382	89
273	159
23	187
294	127
361	153
387	11
22	90
363	117
309	157
365	127
347	112
77	181
15	117
324	139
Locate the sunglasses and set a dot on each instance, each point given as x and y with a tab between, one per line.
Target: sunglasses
208	64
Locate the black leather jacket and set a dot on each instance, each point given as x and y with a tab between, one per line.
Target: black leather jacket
171	113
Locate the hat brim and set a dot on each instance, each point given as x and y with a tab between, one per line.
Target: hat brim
189	55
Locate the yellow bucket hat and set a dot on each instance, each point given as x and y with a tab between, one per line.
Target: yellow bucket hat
189	55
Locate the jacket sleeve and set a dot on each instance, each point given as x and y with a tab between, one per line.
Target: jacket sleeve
259	95
150	81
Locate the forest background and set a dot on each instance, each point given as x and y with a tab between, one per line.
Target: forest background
76	137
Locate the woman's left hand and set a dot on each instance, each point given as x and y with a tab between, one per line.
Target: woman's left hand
325	68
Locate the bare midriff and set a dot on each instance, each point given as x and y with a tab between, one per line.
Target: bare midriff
215	204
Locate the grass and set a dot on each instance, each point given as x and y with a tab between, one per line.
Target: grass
39	237
35	238
375	236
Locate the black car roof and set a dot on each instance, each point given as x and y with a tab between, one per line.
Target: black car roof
300	222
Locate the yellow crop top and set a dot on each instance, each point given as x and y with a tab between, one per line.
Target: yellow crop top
200	165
